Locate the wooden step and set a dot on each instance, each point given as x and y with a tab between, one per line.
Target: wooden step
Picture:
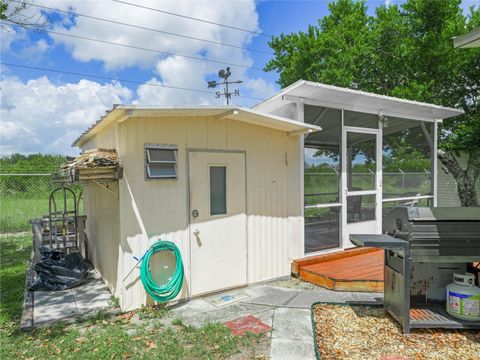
358	269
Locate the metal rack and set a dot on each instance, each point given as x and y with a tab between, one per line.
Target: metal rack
62	220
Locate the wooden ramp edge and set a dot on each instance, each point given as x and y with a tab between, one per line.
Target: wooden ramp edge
358	270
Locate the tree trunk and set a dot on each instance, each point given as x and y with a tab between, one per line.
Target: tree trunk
466	179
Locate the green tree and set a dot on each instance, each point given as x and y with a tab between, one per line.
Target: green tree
16	13
404	51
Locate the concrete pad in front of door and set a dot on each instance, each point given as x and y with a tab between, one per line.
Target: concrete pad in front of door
270	295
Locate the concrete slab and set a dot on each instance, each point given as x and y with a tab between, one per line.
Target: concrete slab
376	298
53	306
308	297
271	295
223	314
292	324
287	349
246	324
46	298
50	307
192	307
91	297
266	317
225	299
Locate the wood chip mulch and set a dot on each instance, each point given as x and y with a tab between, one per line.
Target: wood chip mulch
367	332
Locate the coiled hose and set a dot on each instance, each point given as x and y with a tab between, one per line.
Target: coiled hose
171	289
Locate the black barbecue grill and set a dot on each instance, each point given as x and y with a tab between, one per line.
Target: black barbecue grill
423	248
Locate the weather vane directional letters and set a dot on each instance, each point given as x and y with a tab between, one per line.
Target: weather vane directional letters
225	74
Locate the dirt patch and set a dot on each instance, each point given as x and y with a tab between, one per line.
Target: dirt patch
367	332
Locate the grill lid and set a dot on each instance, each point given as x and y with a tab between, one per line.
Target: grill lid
442	214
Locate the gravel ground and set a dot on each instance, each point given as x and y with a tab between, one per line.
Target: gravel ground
365	332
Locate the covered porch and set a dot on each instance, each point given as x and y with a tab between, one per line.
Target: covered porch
374	153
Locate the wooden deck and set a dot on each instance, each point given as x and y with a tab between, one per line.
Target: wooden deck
359	269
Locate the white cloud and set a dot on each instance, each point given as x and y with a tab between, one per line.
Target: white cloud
241	13
9	35
174	71
40	116
260	88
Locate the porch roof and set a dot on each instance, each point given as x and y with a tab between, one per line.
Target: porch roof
317	94
468	40
121	113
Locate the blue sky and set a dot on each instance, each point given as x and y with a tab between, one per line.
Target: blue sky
44	112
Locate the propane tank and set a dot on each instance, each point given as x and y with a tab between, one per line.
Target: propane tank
463	297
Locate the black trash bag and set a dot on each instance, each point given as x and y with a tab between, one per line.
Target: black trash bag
59	271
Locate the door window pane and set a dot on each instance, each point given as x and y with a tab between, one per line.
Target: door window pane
361	161
360	208
218	190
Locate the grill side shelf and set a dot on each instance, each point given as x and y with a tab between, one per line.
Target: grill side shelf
378	240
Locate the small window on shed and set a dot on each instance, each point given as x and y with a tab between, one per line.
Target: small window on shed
160	161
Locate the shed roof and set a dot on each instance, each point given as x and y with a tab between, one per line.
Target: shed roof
318	94
120	113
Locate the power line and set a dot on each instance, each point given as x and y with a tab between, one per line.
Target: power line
36	28
142	27
116	79
192	18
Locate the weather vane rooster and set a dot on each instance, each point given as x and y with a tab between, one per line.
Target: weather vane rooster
225	74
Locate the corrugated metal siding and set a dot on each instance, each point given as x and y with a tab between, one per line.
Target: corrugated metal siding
106	139
102	226
274	223
447	186
103	230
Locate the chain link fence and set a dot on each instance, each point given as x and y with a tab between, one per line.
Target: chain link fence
24	197
323	187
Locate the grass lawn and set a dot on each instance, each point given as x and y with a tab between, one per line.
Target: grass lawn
16	213
104	336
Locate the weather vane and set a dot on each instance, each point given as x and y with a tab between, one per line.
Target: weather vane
225	74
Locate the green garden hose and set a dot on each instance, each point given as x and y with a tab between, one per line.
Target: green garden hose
171	289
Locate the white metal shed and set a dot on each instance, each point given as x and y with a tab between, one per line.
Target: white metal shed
222	183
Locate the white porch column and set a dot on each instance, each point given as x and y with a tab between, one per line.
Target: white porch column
299	116
379	176
344	183
434	161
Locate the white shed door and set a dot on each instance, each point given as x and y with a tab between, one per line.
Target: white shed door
217	221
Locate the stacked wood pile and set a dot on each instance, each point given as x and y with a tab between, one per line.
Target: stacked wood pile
93	164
